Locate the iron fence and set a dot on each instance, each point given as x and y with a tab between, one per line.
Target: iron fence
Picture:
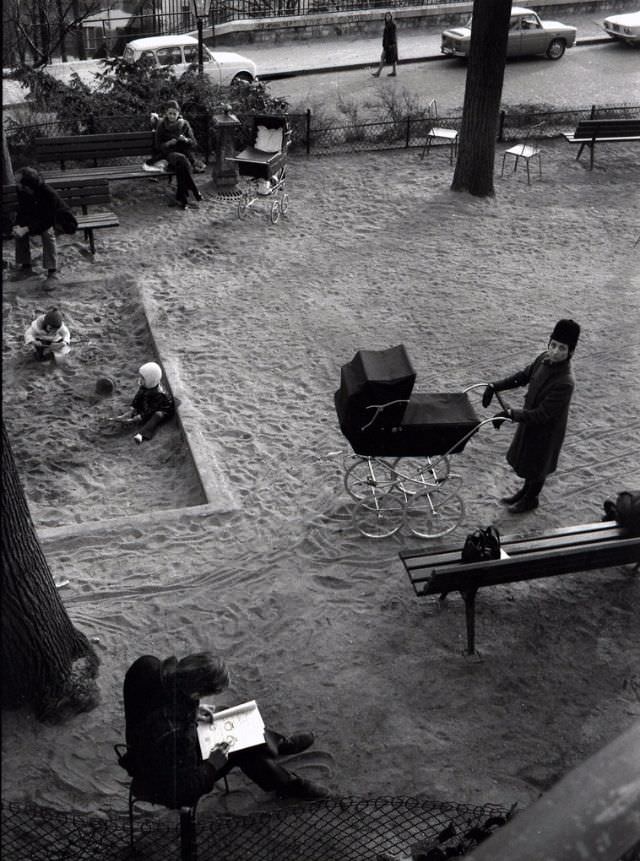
342	829
410	131
234	10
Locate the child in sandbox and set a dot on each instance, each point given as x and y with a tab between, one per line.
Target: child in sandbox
151	406
48	337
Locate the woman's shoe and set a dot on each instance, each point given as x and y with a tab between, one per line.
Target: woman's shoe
527	503
516	497
296	743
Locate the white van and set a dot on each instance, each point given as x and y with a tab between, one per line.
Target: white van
221	67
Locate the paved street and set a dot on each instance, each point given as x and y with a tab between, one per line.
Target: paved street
598	74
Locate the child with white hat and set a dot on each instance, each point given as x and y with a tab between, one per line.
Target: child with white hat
152	404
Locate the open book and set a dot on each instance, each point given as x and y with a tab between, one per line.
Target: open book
240	726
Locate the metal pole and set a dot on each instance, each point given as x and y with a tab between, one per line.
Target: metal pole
200	49
212	20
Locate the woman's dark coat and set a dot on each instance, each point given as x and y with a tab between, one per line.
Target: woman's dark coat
390	42
542	421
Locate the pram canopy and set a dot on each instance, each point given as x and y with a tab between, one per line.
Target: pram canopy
266	155
419	425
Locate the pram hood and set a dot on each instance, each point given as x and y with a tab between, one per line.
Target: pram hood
418	425
374	377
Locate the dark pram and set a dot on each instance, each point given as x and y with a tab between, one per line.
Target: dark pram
387	426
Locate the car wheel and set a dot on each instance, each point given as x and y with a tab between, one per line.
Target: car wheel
556	49
242	78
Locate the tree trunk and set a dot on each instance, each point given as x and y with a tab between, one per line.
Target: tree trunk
483	92
46	663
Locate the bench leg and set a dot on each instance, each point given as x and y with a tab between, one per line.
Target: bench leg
188	846
469	596
88	235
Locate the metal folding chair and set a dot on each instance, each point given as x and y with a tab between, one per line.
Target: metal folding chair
439	132
139	793
525	151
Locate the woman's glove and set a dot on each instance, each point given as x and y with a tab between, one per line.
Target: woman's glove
501	417
487	395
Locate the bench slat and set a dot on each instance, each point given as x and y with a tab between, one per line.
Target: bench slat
108	172
97	220
574	138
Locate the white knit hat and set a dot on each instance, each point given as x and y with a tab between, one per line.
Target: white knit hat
151	373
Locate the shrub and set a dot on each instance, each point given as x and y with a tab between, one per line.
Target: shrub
124	94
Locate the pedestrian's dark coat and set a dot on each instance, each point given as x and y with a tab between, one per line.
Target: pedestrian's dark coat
390	42
542	421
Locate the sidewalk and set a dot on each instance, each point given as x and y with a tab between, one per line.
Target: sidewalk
293	58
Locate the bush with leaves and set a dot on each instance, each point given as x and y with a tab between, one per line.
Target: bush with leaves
123	94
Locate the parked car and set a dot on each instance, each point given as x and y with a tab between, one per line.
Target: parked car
528	34
625	27
221	67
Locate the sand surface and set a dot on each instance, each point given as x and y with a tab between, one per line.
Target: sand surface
319	624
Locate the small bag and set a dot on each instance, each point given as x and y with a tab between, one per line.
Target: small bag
482	544
65	221
625	510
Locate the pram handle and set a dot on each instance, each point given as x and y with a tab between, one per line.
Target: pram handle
378	409
484	386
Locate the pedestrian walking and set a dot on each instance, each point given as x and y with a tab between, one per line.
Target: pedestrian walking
389	56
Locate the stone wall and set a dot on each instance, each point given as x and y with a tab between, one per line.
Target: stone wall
367	22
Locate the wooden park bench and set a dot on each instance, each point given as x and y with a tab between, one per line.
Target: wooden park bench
79	194
562	551
592	131
93	150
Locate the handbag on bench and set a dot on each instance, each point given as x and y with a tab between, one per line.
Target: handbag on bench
481	544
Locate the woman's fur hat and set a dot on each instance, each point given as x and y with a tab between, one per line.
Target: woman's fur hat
567	332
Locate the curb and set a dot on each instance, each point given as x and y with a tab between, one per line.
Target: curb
348	67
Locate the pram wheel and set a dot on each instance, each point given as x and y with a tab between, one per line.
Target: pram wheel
368	477
284	204
433	513
275	212
419	472
380	516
